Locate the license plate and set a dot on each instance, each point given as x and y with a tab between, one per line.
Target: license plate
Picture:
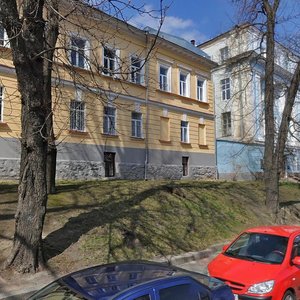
236	297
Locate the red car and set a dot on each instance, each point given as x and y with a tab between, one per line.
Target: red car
262	263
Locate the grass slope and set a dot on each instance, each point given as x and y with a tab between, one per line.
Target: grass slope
95	222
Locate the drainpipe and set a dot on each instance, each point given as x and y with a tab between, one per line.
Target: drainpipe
147	109
241	94
215	127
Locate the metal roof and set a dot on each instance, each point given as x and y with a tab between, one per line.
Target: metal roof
177	41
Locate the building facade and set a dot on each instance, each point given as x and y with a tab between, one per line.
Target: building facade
126	103
239	101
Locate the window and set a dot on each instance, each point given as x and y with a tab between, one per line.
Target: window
201	89
296	247
164	129
4	42
109	164
136	124
225	87
226	124
164	78
109	120
224	54
184	84
182	291
136	70
1	104
185	165
184	132
79	52
202	135
110	63
77	114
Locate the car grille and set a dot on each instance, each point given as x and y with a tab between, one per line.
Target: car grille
235	286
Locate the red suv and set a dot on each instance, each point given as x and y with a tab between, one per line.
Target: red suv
262	263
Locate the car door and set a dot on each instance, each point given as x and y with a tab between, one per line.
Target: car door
296	269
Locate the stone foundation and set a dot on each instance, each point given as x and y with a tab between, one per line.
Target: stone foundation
9	169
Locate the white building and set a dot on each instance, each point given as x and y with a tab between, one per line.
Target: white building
239	101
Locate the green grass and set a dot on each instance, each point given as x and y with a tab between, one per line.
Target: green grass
101	221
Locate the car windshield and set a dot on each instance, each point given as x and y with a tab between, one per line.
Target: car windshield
259	247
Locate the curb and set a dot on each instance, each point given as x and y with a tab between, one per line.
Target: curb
191	256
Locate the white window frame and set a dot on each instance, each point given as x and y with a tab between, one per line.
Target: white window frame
184	132
109	120
226	125
136	72
77	113
137	125
225	89
224	53
4	42
201	90
184	85
164	79
1	103
75	49
107	69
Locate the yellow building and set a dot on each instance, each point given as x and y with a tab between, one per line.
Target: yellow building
127	104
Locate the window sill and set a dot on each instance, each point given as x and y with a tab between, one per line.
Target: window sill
186	144
139	84
110	135
4	126
78	132
163	91
203	146
135	138
165	141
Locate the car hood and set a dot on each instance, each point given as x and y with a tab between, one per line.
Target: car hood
242	271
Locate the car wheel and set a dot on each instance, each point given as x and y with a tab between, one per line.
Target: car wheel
288	295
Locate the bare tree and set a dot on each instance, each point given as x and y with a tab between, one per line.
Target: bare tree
33	28
267	15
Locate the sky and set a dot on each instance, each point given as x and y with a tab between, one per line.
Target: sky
197	20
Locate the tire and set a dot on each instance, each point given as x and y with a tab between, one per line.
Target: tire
288	295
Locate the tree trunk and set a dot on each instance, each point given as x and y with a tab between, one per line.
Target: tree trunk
271	176
51	168
51	35
27	42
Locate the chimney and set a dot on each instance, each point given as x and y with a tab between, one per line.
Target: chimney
193	42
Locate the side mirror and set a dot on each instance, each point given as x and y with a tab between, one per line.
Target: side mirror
296	261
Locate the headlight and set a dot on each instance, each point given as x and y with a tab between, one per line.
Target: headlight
262	287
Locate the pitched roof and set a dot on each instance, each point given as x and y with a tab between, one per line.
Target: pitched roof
178	41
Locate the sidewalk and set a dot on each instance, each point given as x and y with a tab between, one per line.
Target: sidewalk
11	290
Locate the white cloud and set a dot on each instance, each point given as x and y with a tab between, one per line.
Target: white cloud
185	28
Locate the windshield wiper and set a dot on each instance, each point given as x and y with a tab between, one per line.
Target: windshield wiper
252	258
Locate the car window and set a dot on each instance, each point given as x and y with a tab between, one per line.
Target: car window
296	247
179	292
259	247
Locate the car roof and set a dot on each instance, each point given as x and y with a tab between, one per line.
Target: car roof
282	230
108	280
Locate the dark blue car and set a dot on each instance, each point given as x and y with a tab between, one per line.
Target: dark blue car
136	280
